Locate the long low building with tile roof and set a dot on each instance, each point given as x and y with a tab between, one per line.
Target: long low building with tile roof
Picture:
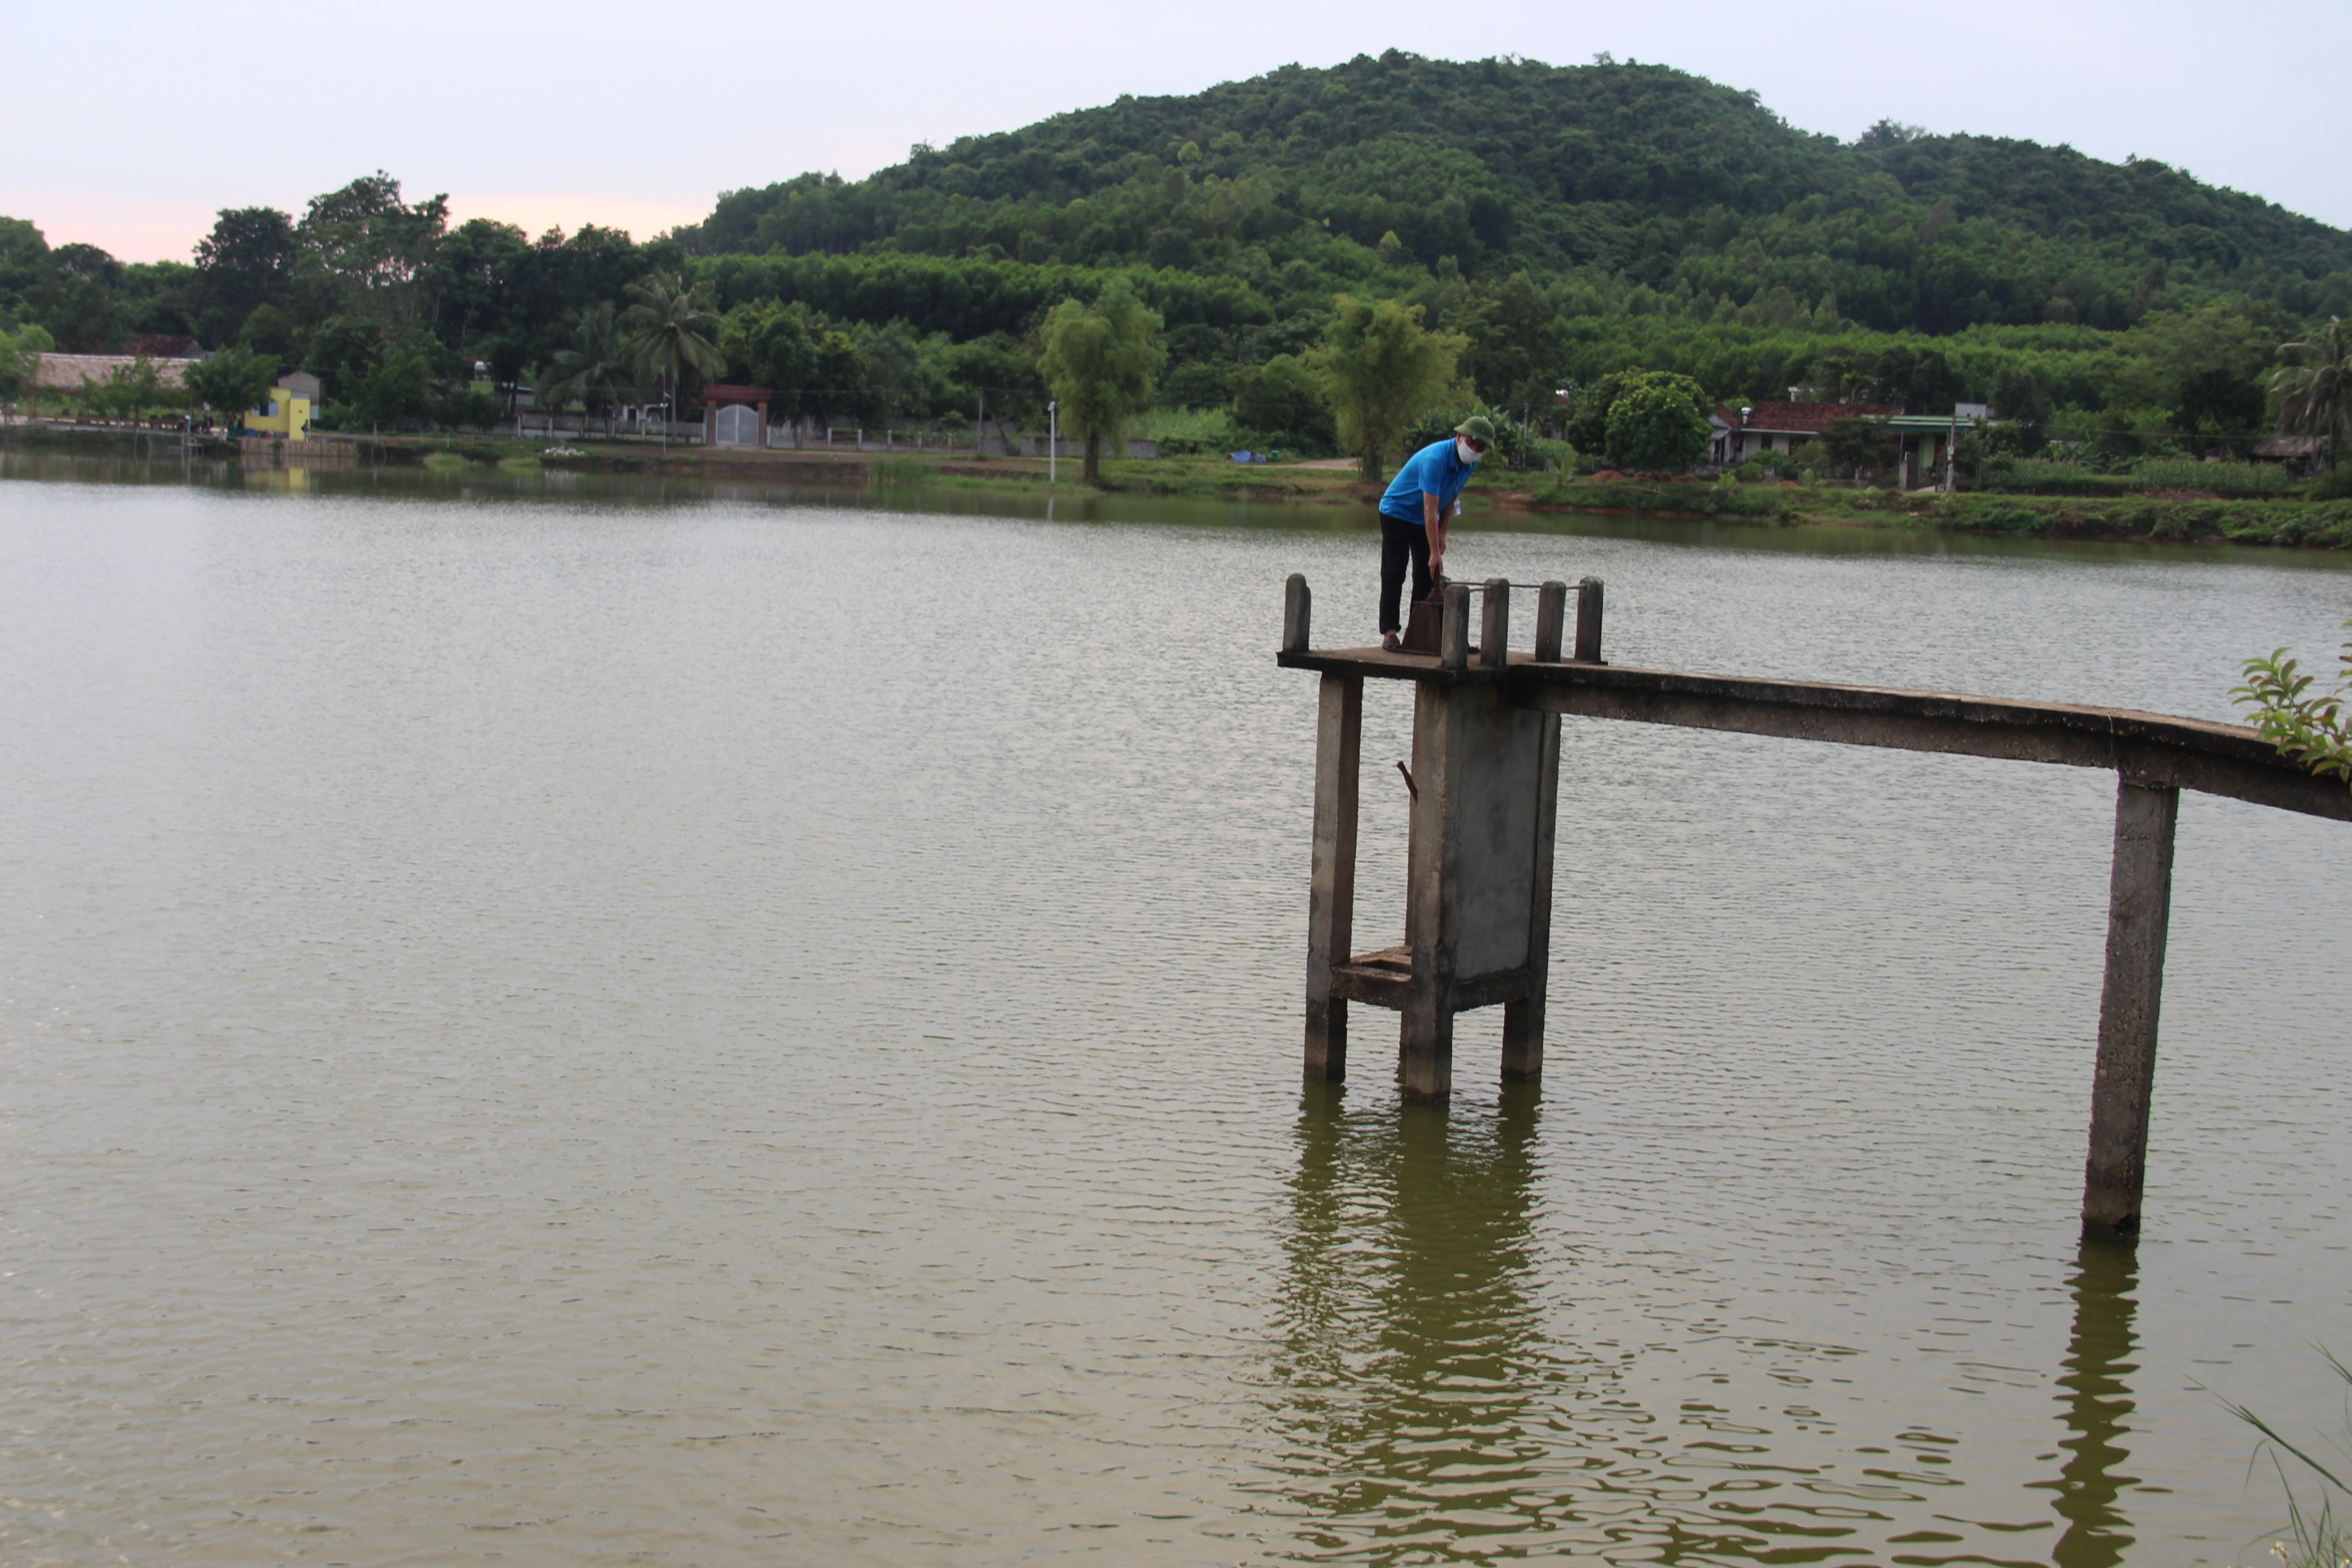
70	373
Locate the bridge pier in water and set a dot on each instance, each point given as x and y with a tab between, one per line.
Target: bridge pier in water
1486	783
2123	1084
1478	880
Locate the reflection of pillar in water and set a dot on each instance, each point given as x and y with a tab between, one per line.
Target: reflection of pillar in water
1412	1349
2097	1401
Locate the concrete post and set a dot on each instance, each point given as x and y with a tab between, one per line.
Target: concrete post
1454	630
1331	885
1588	621
1523	1021
1551	620
1298	608
1426	1034
2140	910
1494	625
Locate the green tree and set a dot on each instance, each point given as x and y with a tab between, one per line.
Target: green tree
2315	392
1381	367
232	382
901	371
1854	444
1281	404
2020	398
769	345
997	374
81	302
129	391
1100	360
1658	423
478	281
269	333
2218	402
20	362
364	252
244	263
395	391
1588	419
593	371
665	326
1514	344
469	408
2307	729
2154	362
839	373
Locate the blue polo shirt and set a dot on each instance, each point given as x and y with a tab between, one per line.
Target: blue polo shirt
1437	470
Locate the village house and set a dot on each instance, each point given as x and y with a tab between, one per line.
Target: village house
1923	442
1754	430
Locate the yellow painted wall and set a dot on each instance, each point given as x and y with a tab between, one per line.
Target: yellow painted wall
285	415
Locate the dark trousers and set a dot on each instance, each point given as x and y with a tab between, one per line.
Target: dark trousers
1401	540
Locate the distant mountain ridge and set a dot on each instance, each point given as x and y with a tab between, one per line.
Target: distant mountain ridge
1383	171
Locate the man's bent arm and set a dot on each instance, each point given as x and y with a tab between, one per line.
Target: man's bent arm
1432	520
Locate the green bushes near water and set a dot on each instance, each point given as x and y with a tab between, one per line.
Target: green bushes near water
2248	520
2044	476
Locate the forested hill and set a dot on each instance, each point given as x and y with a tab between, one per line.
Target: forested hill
1372	174
1562	225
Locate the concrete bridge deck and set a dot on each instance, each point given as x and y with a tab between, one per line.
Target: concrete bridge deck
2161	749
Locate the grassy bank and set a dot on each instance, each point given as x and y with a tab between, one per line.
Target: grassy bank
2271	521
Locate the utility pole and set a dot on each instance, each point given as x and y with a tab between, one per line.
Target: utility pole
1052	443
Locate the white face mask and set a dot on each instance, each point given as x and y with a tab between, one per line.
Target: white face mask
1462	450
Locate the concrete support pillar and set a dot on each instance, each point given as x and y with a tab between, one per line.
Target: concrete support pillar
1523	1022
1332	887
1427	1036
2140	910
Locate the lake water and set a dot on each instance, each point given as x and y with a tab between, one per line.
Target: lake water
561	1022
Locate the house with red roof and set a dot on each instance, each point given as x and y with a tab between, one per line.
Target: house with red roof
1756	429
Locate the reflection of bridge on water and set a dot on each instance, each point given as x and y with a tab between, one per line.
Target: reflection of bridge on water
1428	1406
1485	783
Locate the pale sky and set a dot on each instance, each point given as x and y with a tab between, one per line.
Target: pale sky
122	127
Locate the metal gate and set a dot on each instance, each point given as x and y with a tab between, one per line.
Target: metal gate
739	425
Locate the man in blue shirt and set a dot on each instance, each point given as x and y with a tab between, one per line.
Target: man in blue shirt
1425	494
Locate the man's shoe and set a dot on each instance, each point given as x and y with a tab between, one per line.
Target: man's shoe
1389	643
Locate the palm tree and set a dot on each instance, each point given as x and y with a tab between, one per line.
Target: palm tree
593	369
2316	395
665	328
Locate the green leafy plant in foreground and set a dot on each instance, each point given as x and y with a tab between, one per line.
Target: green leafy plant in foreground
2306	728
2320	1539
